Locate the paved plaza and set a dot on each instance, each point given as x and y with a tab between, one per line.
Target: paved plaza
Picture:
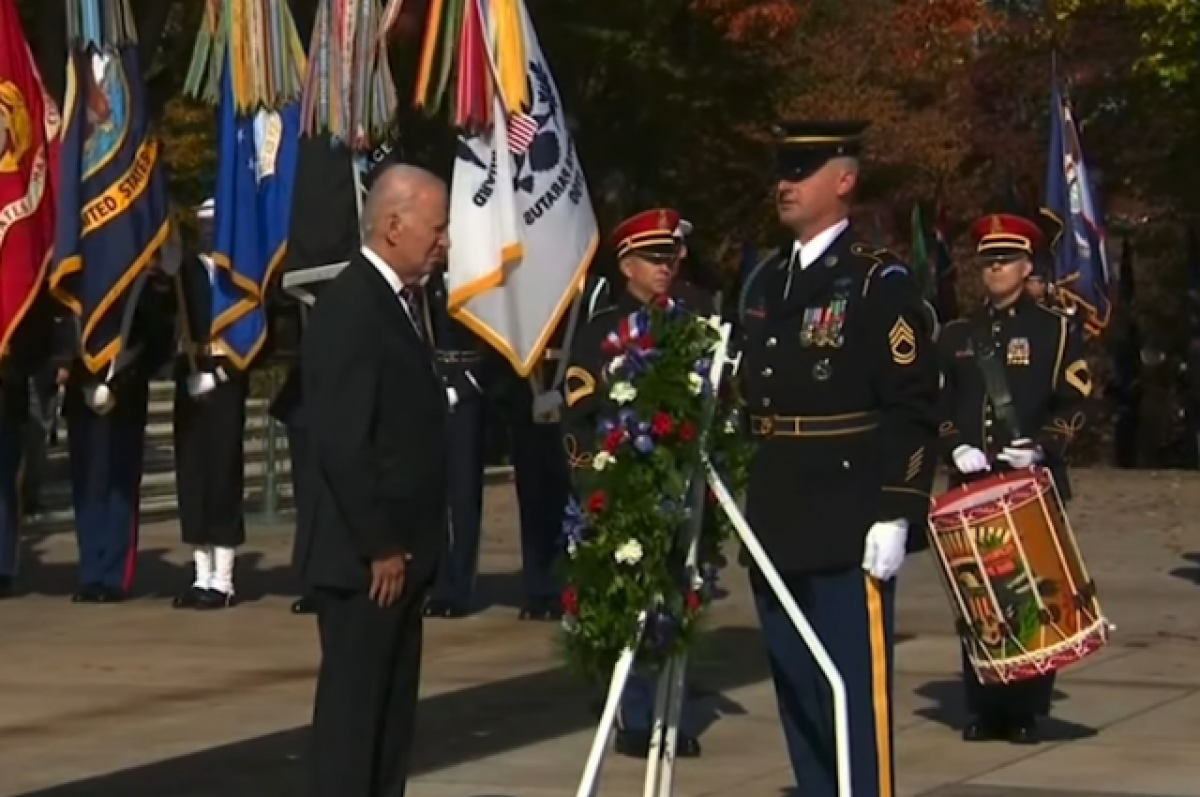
138	700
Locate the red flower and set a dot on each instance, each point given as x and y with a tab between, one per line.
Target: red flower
646	342
661	424
570	601
692	600
663	301
612	441
686	431
597	502
610	347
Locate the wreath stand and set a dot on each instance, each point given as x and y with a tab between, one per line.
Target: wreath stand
660	767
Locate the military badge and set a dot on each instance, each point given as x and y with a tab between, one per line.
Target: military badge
822	370
830	261
902	341
808	326
1018	352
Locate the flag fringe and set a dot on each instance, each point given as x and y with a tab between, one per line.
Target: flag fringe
100	25
257	41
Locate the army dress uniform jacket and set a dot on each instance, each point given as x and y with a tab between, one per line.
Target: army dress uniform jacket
1047	374
840	378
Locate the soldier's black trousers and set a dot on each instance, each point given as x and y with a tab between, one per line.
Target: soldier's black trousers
465	430
209	463
13	412
852	614
107	453
543	487
1023	700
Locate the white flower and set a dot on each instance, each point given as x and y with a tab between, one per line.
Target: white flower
714	321
572	547
616	363
570	624
602	460
629	554
696	383
730	428
622	393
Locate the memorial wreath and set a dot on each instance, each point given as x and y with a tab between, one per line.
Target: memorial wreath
625	551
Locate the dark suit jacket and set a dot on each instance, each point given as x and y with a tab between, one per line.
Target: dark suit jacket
375	411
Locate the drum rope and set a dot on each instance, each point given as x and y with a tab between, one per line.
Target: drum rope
1083	571
1032	581
951	587
987	583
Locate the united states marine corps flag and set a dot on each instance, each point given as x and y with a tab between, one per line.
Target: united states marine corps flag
521	222
112	199
29	129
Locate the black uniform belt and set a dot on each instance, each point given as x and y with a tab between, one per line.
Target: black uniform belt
847	423
459	357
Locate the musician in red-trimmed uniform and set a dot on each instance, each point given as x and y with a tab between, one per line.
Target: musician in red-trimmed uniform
1049	383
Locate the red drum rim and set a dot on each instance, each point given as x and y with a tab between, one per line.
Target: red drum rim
1043	661
988	498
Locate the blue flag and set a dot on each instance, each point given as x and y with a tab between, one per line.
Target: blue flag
112	199
256	171
1081	265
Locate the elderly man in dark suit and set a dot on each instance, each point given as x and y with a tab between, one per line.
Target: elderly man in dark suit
375	526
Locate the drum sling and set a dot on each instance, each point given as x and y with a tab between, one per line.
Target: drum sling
995	382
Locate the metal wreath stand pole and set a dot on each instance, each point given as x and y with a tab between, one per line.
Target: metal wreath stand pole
660	767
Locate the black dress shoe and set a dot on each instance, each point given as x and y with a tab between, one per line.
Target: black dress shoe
544	609
635	744
305	605
212	599
1023	732
687	746
188	598
98	594
446	610
7	588
981	729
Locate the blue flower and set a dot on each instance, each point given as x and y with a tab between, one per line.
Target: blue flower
704	367
626	417
607	425
574	523
643	443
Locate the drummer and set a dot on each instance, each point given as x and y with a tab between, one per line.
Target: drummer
1040	358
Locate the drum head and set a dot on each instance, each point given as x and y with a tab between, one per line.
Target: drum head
991	495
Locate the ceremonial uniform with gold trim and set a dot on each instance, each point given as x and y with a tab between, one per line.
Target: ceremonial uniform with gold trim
1049	380
106	433
209	435
840	378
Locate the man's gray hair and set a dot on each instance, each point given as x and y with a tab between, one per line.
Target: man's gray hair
394	191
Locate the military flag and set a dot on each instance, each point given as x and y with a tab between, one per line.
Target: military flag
946	292
1081	264
256	172
522	228
112	198
29	130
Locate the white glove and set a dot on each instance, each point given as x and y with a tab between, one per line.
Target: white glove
884	553
1020	453
99	398
201	383
969	459
451	398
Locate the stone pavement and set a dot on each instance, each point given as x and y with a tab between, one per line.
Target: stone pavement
138	700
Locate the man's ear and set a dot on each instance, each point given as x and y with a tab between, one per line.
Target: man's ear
625	266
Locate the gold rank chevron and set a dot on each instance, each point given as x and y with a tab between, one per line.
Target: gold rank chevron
1079	376
915	462
903	343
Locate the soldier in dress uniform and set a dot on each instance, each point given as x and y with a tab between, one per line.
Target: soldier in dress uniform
1049	382
464	362
106	433
209	430
840	378
649	247
533	410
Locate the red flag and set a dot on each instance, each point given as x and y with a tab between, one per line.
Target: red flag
29	130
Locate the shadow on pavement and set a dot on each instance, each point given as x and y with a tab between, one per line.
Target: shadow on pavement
1191	571
453	728
950	710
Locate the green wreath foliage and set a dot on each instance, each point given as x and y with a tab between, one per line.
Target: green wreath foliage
626	552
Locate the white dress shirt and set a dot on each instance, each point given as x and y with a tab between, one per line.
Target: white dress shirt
805	255
396	284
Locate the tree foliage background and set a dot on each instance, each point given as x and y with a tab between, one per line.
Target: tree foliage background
671	101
